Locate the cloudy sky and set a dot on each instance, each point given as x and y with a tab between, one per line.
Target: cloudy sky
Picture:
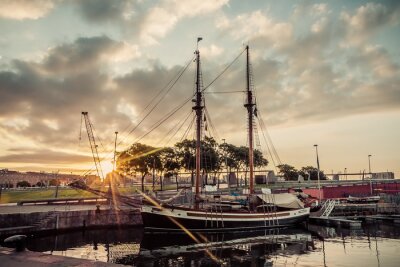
325	72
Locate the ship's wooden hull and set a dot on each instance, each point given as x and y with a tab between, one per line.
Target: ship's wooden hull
179	219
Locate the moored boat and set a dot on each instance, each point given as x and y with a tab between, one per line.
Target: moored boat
368	199
252	212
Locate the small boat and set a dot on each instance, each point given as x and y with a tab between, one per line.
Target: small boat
370	199
251	211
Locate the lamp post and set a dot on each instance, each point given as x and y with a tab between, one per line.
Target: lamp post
345	173
226	163
369	168
319	185
369	164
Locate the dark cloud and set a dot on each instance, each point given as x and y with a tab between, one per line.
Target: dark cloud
50	95
69	79
82	54
96	11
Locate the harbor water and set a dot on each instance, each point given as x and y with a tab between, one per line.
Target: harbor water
373	245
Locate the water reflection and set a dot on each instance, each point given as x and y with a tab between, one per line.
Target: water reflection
232	249
107	245
374	245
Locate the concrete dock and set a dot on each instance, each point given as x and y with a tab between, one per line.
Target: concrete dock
36	218
8	257
336	222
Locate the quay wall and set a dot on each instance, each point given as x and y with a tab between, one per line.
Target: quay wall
342	191
51	221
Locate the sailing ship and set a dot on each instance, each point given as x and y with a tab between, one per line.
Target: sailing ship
222	213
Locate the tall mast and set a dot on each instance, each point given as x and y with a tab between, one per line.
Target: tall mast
199	114
250	109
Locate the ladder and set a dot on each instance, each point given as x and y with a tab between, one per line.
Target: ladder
328	207
270	211
218	215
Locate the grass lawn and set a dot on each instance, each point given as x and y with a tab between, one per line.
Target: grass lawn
13	196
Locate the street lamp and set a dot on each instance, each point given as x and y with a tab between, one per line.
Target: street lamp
370	178
226	163
345	173
369	164
319	185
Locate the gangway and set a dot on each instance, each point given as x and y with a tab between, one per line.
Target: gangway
328	207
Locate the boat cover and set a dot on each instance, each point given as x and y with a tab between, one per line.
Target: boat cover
283	200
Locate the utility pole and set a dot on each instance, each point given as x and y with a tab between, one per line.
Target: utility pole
319	185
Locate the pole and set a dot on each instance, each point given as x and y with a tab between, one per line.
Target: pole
226	162
369	164
115	151
319	185
154	171
114	162
370	178
56	176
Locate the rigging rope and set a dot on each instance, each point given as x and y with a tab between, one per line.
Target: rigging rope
262	124
158	102
226	68
186	133
178	126
224	92
214	130
168	87
162	120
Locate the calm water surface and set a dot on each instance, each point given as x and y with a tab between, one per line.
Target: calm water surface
374	245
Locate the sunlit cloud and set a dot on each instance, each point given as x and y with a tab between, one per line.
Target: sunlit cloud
25	9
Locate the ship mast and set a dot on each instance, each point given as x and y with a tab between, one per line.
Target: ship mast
198	108
250	109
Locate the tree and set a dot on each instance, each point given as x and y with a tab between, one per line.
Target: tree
23	184
139	158
210	156
311	173
54	182
289	172
186	152
259	160
40	184
169	166
227	156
